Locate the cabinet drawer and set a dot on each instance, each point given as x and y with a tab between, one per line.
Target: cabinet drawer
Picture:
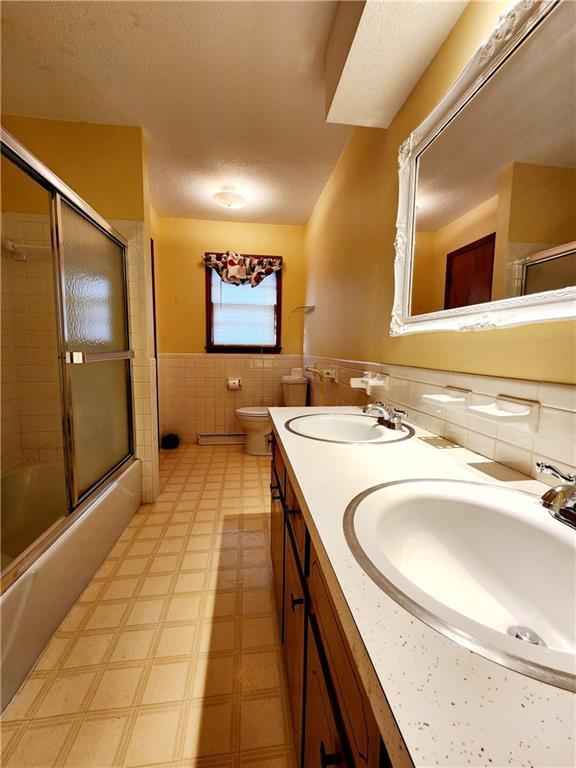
361	727
277	532
279	467
324	742
294	639
297	526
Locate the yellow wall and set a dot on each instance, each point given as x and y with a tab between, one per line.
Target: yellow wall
180	284
104	164
350	252
431	249
543	205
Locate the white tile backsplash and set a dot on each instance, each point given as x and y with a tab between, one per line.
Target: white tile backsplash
551	439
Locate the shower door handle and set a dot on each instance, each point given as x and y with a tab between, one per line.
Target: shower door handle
79	358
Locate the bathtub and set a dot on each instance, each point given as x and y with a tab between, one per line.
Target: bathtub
33	499
33	607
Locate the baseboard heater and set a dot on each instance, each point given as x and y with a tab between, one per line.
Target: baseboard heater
237	439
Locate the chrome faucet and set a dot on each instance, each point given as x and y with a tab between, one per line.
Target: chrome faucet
561	500
389	416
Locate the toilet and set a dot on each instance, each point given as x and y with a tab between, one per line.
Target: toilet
255	420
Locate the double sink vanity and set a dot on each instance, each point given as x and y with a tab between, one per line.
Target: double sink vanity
425	597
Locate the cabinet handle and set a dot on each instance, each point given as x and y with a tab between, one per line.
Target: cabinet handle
296	601
326	759
275	488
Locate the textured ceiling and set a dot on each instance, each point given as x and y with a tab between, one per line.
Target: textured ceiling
229	93
526	113
393	44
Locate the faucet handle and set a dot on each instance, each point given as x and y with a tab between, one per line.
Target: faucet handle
549	469
400	412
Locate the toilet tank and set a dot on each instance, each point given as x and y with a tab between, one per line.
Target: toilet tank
294	389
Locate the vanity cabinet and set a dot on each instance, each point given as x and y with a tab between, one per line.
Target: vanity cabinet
332	720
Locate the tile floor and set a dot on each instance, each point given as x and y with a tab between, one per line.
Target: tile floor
171	656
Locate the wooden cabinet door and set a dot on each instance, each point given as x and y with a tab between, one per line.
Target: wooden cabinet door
277	532
323	741
294	628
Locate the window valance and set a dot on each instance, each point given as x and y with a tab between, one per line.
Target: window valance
240	270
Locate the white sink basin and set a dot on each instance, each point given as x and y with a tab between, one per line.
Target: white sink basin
345	428
474	561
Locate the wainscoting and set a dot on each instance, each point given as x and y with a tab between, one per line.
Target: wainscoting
193	395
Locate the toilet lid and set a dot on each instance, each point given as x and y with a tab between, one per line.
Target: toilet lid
252	410
294	380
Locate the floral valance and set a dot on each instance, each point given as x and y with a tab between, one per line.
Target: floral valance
239	270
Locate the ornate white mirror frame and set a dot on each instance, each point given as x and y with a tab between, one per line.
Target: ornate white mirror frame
512	29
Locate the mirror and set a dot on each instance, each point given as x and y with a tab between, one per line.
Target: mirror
487	205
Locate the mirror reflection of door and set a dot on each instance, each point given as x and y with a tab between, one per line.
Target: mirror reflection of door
469	273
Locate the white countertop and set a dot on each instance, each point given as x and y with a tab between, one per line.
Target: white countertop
453	706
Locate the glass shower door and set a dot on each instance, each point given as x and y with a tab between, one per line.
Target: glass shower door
93	281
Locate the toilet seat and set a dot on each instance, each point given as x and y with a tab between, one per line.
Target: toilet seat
253	412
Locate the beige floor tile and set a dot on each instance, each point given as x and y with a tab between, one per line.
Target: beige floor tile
285	760
254	558
91	592
133	645
199	543
145	612
184	607
257	601
88	650
141	548
190	582
214	675
96	743
66	694
117	688
150	532
155	585
177	641
258	632
262	723
255	577
39	746
74	618
133	566
163	564
218	635
209	729
166	682
168	546
120	588
220	603
52	654
153	738
259	671
106	615
195	561
24	699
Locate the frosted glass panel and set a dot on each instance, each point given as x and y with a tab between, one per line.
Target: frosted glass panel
101	426
94	284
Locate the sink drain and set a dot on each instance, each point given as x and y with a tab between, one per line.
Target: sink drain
526	634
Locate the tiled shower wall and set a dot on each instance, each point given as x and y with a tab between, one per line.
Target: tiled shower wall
31	400
553	441
193	395
143	363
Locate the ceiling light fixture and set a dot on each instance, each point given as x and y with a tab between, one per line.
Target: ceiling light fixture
229	198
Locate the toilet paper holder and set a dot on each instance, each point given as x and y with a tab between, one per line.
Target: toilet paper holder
234	384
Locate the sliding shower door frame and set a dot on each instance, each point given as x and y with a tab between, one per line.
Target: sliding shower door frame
77	503
73	357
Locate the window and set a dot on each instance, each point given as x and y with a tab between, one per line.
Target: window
240	318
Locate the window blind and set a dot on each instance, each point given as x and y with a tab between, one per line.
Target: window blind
242	315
